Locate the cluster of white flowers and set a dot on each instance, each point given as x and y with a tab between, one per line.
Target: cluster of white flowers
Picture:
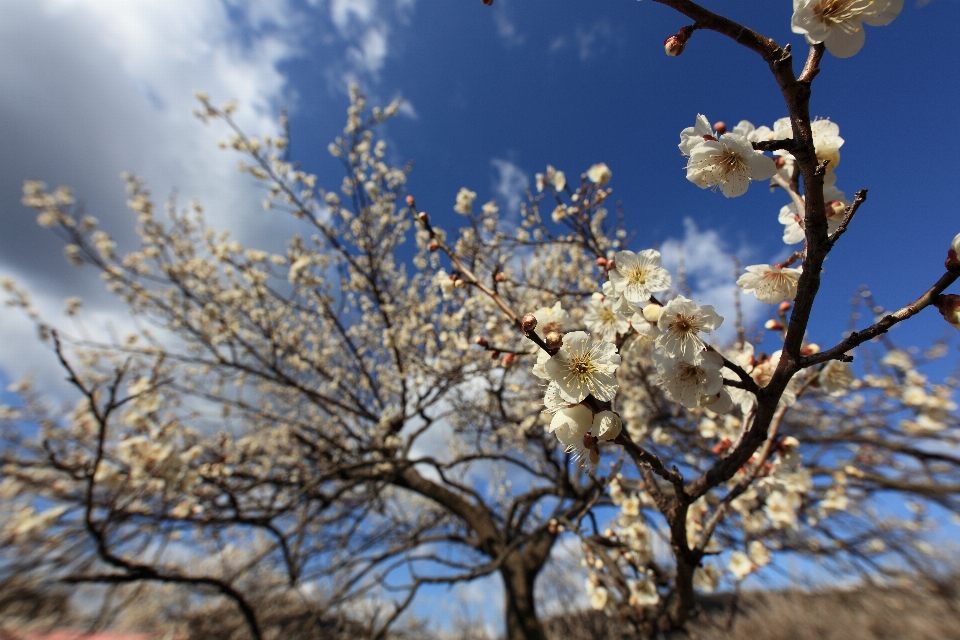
727	161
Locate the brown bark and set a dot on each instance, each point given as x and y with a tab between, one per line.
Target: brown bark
520	610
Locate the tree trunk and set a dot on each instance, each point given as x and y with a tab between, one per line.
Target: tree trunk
521	615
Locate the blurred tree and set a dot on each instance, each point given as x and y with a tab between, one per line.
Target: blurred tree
327	427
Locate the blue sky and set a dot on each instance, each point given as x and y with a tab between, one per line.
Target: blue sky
89	88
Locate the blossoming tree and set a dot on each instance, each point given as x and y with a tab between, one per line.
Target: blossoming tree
369	425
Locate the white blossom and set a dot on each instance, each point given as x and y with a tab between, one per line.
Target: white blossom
584	365
836	377
758	553
551	319
603	319
839	23
729	163
687	382
599	174
692	136
643	592
637	276
464	204
682	321
740	565
771	284
571	423
955	245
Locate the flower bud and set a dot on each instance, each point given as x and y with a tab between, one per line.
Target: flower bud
459	283
433	246
809	349
651	313
675	44
500	277
611	265
553	340
720	127
606	425
411	201
494	355
773	325
529	323
508	359
487	2
835	210
480	340
601	262
784	306
949	306
423	217
953	255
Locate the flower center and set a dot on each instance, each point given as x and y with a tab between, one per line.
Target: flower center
581	366
836	12
731	162
638	276
608	316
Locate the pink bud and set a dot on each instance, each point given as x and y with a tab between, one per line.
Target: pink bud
773	325
784	306
553	340
529	323
949	306
675	44
480	340
411	201
720	127
611	265
601	262
433	246
835	210
952	263
500	277
508	359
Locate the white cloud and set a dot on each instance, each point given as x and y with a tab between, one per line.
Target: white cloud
511	184
93	88
594	40
506	27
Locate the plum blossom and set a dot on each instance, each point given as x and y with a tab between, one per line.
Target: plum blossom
740	565
692	136
839	23
681	322
771	284
643	592
464	204
584	365
603	319
599	174
686	382
729	163
826	139
836	377
551	319
637	276
570	424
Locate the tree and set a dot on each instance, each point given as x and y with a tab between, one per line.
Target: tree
333	416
